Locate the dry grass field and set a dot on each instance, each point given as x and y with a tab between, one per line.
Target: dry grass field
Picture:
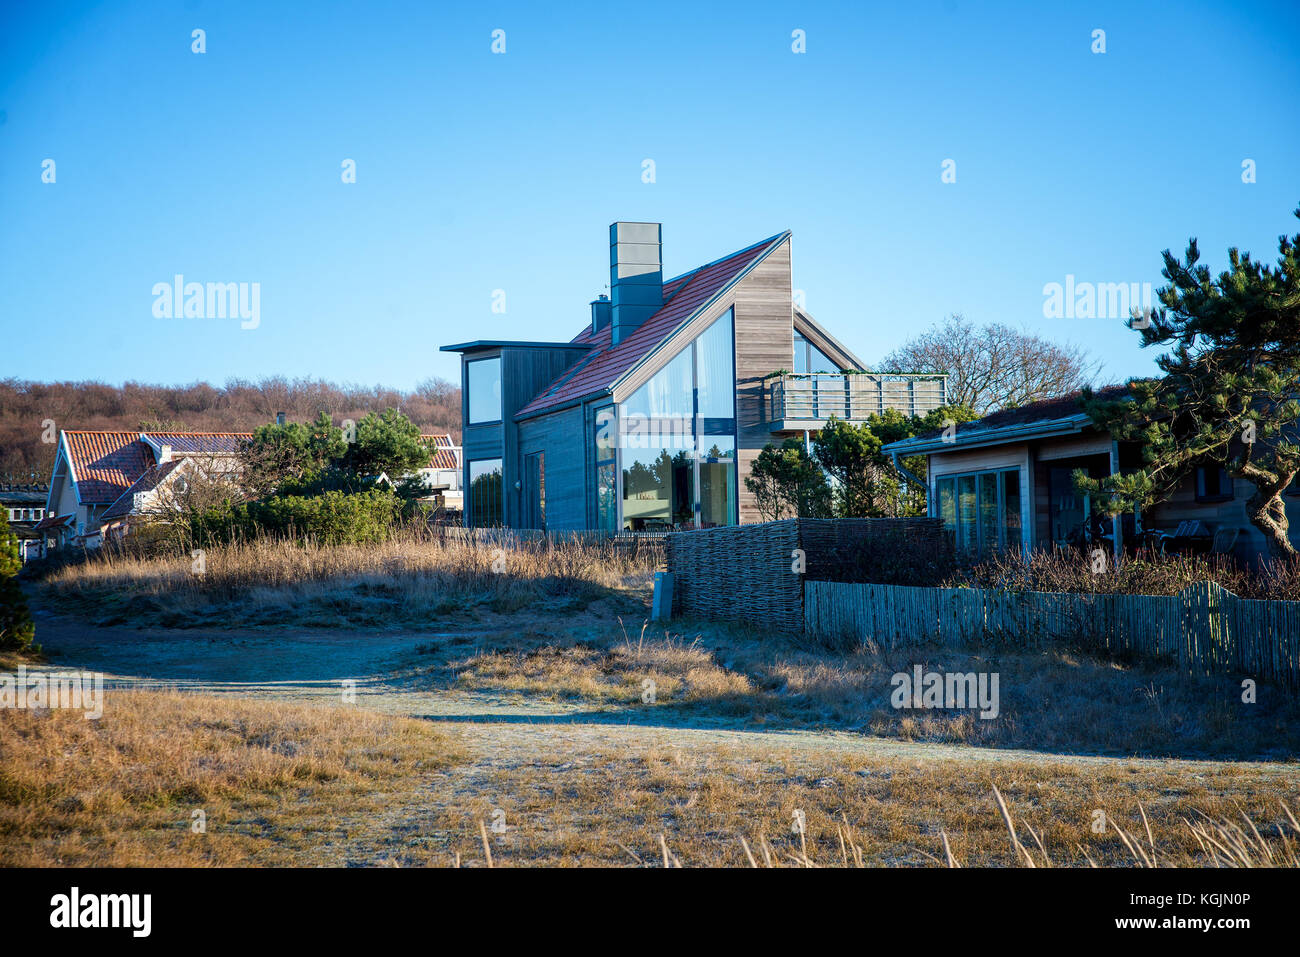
410	579
329	785
519	688
1055	700
272	780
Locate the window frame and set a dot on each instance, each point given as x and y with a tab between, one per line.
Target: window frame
1200	478
980	477
469	393
471	511
699	427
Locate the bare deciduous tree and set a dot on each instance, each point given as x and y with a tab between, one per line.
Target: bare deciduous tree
199	482
238	406
993	367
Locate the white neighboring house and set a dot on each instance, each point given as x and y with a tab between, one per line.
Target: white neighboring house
102	480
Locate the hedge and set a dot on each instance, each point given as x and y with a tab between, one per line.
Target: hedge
331	518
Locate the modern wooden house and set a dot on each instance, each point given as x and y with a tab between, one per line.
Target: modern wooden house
650	417
1005	481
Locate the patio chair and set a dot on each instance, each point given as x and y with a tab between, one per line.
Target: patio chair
1225	539
1190	536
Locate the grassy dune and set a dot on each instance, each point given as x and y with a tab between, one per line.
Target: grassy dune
1054	700
409	579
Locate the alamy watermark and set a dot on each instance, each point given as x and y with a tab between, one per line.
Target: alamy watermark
179	299
1096	300
73	690
920	689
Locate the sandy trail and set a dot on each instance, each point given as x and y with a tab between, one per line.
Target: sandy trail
390	675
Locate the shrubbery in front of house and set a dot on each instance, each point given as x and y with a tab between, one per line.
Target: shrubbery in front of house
1275	579
890	557
330	518
312	481
845	474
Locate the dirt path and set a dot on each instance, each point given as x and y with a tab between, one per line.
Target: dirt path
389	674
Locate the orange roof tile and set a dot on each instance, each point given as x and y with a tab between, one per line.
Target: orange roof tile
444	456
104	464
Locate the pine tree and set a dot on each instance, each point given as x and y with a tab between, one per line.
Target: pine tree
1228	396
16	627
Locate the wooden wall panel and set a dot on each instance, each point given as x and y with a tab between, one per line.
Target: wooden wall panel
525	371
559	436
764	344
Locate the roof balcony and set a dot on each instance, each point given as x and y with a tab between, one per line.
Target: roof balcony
798	403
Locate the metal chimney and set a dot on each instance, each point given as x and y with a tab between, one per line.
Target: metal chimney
600	313
279	418
636	275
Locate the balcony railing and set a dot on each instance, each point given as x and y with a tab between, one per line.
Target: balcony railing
797	401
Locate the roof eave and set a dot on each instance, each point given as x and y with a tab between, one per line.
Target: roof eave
1024	431
478	345
562	406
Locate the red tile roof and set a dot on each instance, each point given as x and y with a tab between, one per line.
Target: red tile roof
104	464
52	521
212	443
683	296
147	482
444	456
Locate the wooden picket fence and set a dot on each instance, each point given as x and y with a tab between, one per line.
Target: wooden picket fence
1205	629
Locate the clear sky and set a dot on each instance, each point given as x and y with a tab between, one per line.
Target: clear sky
478	171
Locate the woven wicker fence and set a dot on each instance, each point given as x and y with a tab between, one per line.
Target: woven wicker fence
647	544
753	573
1205	629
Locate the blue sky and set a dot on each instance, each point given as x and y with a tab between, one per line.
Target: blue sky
479	171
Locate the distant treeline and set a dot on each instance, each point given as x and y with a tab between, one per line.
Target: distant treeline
238	406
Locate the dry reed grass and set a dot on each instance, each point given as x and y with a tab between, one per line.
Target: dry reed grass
732	807
268	777
410	578
1052	700
331	785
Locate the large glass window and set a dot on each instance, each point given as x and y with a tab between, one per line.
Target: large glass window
980	509
483	380
715	374
485	502
808	358
658	486
606	457
717	480
967	531
668	393
1011	524
989	518
678	439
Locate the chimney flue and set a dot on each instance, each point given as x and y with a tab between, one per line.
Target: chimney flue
636	275
600	315
279	418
